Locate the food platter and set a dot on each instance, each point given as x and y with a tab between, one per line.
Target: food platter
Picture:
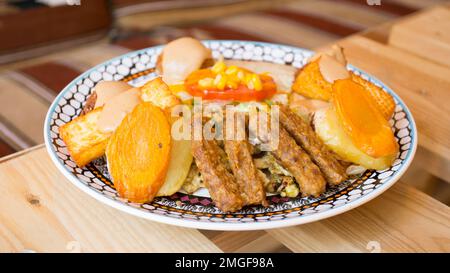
198	210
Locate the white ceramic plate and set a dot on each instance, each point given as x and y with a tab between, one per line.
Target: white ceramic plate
198	211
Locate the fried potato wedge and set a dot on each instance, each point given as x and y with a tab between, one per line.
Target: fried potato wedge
384	102
158	92
180	163
310	83
330	130
179	166
138	153
84	141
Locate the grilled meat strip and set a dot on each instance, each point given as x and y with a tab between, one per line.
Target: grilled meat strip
305	136
220	183
298	163
247	178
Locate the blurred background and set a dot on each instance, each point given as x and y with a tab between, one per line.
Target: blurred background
47	43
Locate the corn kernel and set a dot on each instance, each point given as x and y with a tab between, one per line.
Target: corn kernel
257	82
249	82
232	84
253	82
241	75
218	67
206	82
247	78
233	78
220	81
231	70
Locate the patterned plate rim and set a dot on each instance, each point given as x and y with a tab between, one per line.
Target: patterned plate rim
301	219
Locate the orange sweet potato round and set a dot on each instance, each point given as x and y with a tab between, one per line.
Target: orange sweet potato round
362	120
138	153
384	102
310	83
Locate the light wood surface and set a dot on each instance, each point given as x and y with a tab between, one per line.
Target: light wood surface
433	28
42	211
401	220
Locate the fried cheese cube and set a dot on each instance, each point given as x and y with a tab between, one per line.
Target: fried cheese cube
83	139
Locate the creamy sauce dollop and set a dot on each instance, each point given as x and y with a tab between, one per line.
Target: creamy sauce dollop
117	108
181	57
106	90
332	69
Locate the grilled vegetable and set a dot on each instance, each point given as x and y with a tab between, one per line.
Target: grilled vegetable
362	120
310	83
230	83
84	141
384	102
138	153
331	131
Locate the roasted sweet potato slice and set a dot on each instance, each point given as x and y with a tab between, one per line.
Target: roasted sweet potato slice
84	141
329	128
384	102
310	83
362	120
138	153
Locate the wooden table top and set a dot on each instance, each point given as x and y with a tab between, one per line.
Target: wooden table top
42	211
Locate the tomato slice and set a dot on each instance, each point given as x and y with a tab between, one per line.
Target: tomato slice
241	93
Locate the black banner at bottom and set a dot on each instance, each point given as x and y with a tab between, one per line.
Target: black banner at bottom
236	262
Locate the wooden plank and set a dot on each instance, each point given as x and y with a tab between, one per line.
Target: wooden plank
401	220
432	164
264	243
426	35
42	211
244	241
20	153
422	84
230	241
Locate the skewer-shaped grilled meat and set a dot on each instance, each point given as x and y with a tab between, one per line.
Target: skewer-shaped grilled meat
305	136
220	183
298	163
292	157
245	173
